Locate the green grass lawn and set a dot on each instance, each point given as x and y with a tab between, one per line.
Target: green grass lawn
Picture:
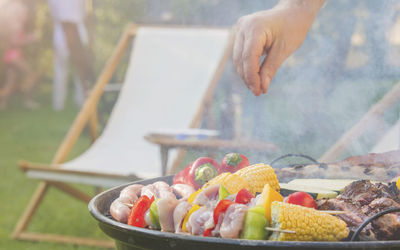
34	136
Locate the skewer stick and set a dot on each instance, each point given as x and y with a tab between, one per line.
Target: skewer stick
333	212
280	230
128	204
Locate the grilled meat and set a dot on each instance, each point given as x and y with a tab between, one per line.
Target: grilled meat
362	199
375	160
378	167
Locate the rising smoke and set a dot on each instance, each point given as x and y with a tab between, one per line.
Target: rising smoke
350	58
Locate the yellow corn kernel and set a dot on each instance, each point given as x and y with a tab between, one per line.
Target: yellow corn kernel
307	223
258	175
233	183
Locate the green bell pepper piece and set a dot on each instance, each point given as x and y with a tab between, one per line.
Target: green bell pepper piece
154	214
223	192
254	224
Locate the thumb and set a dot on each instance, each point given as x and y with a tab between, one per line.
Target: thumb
269	67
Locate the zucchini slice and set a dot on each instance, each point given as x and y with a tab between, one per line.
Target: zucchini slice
336	185
315	192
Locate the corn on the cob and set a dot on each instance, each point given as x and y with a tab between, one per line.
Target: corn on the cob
233	183
258	175
308	223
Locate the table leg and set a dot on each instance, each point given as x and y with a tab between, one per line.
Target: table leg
164	159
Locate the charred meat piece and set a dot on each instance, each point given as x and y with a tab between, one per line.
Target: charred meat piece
362	199
379	167
376	160
364	192
387	227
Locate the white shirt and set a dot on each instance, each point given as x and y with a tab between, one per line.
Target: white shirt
67	10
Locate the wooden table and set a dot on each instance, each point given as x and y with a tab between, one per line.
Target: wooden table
167	143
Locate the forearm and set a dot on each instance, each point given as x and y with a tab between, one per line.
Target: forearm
313	6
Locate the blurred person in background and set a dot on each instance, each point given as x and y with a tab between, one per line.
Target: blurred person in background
71	41
19	75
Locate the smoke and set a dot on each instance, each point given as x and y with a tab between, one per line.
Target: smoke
330	82
348	61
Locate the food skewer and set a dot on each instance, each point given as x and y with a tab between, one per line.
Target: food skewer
333	212
273	229
128	205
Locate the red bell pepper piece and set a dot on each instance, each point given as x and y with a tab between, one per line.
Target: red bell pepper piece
207	232
203	170
243	196
221	208
182	176
136	216
233	162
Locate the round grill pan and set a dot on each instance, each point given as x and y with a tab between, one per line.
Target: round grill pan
128	237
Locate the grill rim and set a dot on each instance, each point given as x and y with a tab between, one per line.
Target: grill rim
120	231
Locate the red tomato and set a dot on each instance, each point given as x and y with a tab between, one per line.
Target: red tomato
302	199
221	208
243	196
233	162
136	216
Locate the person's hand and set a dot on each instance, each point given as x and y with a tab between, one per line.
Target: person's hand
277	32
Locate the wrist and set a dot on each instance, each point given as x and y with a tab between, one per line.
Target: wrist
310	6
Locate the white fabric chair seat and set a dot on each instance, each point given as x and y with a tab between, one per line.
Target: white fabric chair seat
169	72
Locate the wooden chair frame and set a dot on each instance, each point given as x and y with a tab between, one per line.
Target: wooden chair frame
88	115
376	111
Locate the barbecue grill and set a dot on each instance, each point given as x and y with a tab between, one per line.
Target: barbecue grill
128	237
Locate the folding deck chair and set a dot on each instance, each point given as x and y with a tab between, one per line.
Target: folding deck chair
388	142
172	74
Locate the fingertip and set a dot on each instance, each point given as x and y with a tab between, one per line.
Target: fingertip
265	84
256	91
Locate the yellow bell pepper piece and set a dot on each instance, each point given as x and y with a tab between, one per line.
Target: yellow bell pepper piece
268	195
193	196
192	210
